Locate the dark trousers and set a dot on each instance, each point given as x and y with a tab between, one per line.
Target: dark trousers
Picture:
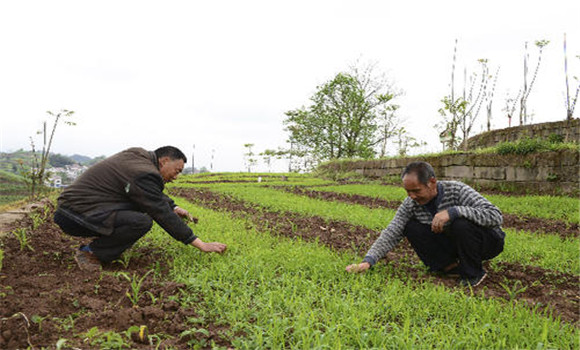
463	241
129	227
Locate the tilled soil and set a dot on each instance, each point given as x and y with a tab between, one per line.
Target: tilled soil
548	290
531	224
45	297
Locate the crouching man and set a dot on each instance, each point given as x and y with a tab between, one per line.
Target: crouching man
451	227
117	200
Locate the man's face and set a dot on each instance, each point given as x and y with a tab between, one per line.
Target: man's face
170	168
419	192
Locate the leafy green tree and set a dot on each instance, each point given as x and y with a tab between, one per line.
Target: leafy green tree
344	119
60	161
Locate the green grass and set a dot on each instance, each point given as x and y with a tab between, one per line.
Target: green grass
546	207
266	179
546	251
12	188
281	201
281	293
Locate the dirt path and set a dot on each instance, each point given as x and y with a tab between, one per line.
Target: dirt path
545	289
525	223
45	297
9	218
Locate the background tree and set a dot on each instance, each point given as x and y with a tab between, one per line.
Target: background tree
570	102
460	114
405	141
35	175
540	44
267	156
60	161
489	99
343	120
249	157
451	111
474	99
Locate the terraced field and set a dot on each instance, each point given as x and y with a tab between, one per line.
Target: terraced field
531	298
282	282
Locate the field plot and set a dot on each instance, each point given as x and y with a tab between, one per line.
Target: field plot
282	284
537	275
12	188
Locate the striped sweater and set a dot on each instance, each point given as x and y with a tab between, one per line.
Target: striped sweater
457	198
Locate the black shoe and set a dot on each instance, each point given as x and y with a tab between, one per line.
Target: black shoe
87	261
472	281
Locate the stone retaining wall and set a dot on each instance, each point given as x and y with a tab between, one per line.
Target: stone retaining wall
539	173
568	129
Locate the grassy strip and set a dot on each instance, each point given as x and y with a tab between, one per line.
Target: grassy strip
547	207
252	178
546	251
390	193
290	294
275	200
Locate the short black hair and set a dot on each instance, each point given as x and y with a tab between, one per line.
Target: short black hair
172	152
423	170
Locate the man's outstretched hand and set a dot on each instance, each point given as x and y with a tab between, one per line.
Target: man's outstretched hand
209	247
358	267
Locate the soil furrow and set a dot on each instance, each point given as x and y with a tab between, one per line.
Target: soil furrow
545	289
44	296
525	223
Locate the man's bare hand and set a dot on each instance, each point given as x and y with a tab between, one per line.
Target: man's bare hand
353	268
210	247
439	221
214	247
185	214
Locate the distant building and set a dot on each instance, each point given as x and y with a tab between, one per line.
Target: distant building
60	177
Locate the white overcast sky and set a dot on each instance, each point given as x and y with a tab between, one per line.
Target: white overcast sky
219	74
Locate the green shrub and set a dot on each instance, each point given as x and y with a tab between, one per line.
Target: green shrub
528	145
523	146
555	138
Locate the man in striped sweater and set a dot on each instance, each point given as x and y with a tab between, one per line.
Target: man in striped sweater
451	227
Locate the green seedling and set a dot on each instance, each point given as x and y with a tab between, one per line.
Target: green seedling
37	220
21	235
136	284
514	290
38	320
106	340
